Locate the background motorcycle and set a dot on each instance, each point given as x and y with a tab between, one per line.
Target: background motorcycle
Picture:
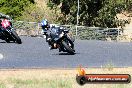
8	33
59	36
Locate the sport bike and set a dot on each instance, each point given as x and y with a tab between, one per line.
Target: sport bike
8	33
60	40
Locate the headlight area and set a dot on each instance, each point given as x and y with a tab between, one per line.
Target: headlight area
61	35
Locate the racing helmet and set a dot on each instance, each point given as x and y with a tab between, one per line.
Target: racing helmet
44	22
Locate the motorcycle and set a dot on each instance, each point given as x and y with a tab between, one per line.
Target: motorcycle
8	33
60	38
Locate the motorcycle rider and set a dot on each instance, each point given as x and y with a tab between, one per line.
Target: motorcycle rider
5	18
46	30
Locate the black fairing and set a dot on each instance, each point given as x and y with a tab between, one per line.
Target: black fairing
6	33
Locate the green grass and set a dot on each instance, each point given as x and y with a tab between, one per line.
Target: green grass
57	78
42	83
56	83
2	85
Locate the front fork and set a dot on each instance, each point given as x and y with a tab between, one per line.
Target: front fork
59	43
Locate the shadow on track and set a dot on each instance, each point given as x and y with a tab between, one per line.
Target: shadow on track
6	42
65	54
2	42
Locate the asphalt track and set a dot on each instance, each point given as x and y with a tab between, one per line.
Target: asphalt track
34	53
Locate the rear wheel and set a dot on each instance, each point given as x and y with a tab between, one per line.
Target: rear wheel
68	48
16	37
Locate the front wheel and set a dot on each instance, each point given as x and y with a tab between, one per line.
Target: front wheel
7	40
16	37
68	48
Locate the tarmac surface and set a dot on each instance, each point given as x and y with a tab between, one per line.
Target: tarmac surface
34	53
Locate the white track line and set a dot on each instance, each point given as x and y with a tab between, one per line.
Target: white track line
1	56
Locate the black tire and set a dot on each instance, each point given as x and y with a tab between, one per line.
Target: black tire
5	37
7	40
68	48
16	37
